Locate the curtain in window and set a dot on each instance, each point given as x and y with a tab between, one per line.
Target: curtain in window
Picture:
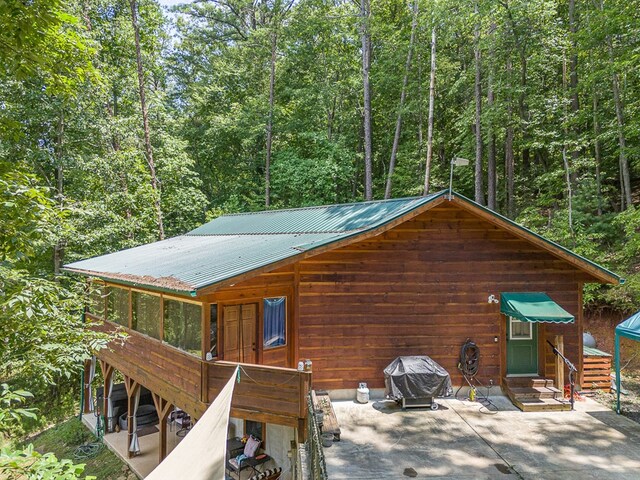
274	322
134	445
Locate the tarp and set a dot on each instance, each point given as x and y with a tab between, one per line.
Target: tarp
533	307
201	455
630	328
415	377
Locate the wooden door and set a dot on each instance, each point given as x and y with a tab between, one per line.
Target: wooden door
240	331
249	327
522	347
231	321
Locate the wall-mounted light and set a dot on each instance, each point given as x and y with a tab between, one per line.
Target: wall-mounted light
492	299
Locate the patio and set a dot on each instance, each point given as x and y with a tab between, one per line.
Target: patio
462	440
147	460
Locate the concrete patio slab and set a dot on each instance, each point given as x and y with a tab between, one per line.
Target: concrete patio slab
464	440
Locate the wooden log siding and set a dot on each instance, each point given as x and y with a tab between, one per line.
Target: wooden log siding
422	289
267	394
280	392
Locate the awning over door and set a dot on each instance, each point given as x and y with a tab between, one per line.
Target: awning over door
533	307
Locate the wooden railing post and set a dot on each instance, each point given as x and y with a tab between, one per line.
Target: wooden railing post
559	343
163	407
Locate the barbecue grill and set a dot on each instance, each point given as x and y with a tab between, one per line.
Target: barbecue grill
415	381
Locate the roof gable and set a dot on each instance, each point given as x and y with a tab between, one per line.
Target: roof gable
235	247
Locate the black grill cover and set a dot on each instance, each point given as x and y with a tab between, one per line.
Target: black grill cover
416	377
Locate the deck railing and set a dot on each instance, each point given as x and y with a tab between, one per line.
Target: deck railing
270	394
315	453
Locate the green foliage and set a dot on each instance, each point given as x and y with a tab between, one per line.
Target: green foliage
28	463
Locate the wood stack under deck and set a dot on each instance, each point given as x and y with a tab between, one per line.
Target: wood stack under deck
534	394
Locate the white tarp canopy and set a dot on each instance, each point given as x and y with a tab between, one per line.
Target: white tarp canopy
201	455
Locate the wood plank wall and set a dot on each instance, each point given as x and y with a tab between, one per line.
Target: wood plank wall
277	283
422	288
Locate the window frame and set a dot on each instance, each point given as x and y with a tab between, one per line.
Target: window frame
513	320
285	323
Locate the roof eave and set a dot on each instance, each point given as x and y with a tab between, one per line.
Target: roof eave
191	292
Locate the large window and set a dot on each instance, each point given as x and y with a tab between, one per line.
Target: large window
145	313
275	321
213	330
118	306
183	325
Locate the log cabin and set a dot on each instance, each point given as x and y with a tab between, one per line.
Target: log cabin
349	287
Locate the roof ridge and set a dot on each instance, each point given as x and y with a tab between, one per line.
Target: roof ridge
318	207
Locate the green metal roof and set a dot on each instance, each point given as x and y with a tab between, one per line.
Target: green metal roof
533	307
232	245
235	244
594	352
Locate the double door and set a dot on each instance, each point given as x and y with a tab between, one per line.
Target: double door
240	332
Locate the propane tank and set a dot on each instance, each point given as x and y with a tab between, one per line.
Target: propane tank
362	395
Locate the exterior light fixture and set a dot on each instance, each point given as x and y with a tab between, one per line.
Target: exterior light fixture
457	162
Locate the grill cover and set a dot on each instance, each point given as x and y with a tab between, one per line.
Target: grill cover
416	377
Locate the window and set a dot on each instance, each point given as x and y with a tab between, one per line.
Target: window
97	300
145	313
213	330
183	325
520	330
118	305
274	328
256	429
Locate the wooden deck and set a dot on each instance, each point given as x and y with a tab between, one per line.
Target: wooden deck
264	394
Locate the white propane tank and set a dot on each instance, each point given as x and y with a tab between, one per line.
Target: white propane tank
362	395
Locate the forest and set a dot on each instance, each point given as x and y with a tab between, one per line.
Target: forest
124	122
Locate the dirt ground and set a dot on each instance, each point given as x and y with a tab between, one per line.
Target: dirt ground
629	403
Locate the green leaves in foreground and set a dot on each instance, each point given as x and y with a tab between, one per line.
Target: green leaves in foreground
27	463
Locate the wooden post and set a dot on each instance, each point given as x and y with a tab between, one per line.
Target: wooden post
559	343
132	387
163	407
107	374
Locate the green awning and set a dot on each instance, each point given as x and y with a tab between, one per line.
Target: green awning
533	307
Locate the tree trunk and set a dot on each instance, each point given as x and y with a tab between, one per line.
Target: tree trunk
508	148
491	147
403	95
479	194
432	96
596	147
573	74
58	249
625	177
365	13
272	84
145	121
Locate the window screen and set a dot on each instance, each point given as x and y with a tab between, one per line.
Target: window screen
145	313
97	300
274	332
182	325
213	327
118	306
